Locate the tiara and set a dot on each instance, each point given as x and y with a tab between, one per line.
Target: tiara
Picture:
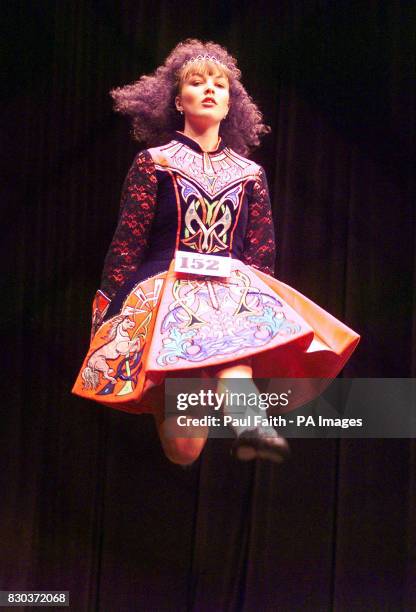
201	58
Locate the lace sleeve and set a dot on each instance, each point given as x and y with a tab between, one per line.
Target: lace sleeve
259	242
137	209
129	243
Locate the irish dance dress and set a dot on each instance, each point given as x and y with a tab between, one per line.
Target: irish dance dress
151	321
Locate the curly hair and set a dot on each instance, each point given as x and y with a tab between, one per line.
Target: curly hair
150	100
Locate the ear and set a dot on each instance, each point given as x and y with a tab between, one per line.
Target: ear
178	103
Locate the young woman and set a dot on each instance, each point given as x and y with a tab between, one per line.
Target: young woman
187	286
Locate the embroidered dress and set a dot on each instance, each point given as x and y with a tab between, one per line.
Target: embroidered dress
150	322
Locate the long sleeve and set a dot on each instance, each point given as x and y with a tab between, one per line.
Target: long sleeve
259	242
137	209
130	240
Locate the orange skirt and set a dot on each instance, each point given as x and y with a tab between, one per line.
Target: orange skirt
172	325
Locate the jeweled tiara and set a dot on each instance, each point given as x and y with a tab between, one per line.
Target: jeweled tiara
201	58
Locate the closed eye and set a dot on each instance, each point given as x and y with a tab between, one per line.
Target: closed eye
200	83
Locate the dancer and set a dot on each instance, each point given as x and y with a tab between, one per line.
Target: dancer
187	287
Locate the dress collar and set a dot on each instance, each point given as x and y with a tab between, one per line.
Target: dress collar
193	144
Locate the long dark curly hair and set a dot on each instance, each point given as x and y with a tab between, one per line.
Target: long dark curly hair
150	101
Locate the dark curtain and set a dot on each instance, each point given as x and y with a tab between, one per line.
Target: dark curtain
89	503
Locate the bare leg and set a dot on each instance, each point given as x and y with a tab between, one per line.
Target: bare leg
178	448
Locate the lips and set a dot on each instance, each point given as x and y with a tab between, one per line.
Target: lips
208	100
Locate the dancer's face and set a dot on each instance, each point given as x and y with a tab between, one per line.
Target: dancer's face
204	98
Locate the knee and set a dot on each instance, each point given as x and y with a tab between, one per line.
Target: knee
183	451
178	448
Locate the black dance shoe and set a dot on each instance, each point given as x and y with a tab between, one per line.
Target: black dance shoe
257	444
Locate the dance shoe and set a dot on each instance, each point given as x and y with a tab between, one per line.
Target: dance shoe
259	444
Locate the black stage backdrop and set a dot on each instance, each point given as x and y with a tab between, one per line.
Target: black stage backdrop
89	503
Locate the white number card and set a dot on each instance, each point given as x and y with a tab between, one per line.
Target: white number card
201	263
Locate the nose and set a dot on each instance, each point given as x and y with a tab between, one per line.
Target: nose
209	87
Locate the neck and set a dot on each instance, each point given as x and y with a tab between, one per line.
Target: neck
207	138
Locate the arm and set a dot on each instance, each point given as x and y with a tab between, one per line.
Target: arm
259	243
129	243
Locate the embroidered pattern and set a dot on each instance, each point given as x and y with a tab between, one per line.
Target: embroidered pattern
209	319
228	168
207	223
115	362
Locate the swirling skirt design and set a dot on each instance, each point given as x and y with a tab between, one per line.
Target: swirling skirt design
176	325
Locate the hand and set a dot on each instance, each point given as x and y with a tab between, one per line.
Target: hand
100	306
